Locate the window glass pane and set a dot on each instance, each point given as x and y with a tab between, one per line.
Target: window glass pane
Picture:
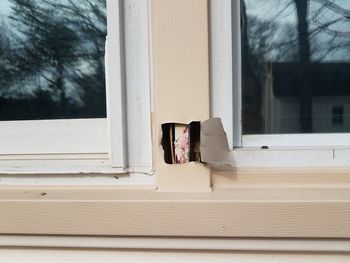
295	66
52	59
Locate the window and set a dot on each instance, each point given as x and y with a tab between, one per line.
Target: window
338	115
53	60
274	211
59	106
295	65
258	81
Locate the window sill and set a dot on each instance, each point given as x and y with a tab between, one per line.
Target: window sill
291	157
310	211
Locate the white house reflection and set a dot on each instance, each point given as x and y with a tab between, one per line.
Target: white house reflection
296	66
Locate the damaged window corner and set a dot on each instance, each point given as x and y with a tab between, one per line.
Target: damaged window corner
181	142
200	142
204	142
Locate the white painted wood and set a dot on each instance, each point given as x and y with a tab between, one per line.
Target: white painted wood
96	177
53	136
128	84
75	169
56	156
226	69
273	158
236	73
299	150
9	255
183	244
115	82
138	112
297	140
221	64
56	164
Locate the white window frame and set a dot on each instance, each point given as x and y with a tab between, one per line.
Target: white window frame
109	145
284	150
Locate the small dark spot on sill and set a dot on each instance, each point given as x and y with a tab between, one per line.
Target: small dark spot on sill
43	194
116	177
264	147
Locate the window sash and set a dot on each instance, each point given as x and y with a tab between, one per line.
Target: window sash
227	104
127	78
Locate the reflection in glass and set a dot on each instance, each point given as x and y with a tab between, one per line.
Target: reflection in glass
52	59
295	66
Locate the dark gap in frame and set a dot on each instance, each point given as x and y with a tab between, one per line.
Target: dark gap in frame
168	132
168	141
195	137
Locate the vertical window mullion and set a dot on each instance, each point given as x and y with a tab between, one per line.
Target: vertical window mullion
226	67
115	85
137	75
236	72
221	70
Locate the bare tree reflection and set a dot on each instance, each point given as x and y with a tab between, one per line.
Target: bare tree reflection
271	43
52	60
